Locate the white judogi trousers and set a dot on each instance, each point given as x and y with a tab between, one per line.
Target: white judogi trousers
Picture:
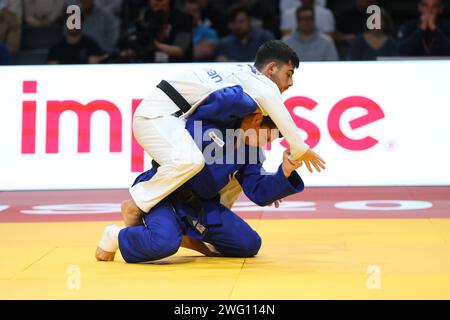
167	141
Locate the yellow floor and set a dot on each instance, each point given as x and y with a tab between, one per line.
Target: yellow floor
299	259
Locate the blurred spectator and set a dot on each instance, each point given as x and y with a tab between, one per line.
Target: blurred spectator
162	34
352	22
16	6
216	18
204	38
374	43
5	55
310	43
427	36
99	24
244	41
286	5
130	12
42	13
113	6
10	31
323	16
75	48
264	15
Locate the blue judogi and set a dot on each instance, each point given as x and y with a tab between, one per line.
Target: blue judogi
231	235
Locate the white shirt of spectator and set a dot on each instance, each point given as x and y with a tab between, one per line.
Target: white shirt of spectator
289	4
324	19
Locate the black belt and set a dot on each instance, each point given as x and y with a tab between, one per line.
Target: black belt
175	96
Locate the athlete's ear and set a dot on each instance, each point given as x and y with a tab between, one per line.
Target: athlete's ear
273	68
269	69
257	118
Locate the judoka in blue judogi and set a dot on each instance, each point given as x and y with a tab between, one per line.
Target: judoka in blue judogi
195	209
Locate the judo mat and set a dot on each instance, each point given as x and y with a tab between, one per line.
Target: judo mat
325	243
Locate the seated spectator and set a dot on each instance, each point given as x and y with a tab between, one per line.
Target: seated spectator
99	24
162	34
427	36
309	43
216	18
5	55
76	48
42	13
10	32
113	6
130	13
286	5
264	15
15	6
244	41
374	43
323	16
204	38
351	22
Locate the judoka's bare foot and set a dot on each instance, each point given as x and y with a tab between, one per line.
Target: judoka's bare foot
132	215
108	244
102	255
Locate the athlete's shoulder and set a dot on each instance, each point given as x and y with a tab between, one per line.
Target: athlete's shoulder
249	69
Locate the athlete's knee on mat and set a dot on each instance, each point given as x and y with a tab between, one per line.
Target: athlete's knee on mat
247	247
251	245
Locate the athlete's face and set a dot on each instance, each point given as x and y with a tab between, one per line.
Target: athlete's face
254	133
280	73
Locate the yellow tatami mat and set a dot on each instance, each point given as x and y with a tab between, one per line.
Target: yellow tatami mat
299	259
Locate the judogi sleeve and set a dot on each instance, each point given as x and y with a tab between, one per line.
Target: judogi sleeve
272	105
264	188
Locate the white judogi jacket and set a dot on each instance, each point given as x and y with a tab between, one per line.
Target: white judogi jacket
196	85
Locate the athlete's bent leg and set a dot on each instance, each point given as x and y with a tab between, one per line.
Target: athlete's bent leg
234	238
160	237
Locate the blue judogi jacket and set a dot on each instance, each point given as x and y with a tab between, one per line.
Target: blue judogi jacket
224	109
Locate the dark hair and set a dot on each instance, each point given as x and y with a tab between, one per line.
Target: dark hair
236	9
275	50
268	122
304	9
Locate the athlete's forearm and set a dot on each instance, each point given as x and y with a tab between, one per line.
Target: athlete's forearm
278	113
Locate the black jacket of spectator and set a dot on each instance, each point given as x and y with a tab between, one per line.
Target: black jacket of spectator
130	12
362	51
218	20
177	31
78	53
416	42
268	15
351	21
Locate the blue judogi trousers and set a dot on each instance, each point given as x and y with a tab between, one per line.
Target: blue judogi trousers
160	237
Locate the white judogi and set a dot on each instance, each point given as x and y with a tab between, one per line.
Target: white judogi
165	139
